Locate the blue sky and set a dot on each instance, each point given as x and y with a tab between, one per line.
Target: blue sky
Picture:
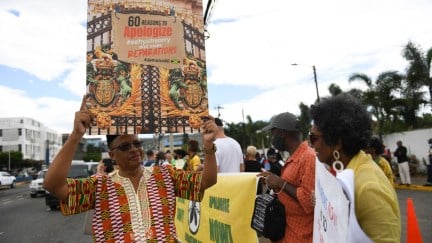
251	46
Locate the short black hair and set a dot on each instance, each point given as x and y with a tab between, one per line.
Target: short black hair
377	145
180	152
343	118
110	139
218	122
270	152
150	152
109	165
193	145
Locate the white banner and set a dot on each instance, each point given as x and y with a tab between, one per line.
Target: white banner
331	208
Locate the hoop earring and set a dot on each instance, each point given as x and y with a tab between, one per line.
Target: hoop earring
337	165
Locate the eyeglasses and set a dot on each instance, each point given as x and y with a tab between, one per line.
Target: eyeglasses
126	146
313	138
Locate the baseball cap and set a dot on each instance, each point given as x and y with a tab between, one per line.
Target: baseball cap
285	121
218	122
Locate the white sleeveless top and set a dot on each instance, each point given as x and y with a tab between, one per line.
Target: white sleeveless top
355	232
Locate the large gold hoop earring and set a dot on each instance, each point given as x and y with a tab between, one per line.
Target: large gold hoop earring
337	165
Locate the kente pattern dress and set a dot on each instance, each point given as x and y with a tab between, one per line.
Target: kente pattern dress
123	215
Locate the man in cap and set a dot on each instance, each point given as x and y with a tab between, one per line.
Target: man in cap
295	186
229	155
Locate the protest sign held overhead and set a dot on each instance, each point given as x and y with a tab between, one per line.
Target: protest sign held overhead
146	70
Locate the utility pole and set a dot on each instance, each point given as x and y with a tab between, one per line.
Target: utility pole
9	160
218	107
315	77
316	82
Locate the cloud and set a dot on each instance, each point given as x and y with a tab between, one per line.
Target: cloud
339	37
55	113
252	43
43	38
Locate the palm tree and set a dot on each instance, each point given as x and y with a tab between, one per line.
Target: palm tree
334	89
419	68
381	95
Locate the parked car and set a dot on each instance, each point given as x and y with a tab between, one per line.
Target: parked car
36	185
7	179
78	170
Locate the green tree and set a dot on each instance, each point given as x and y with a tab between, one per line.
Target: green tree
334	89
248	133
304	119
16	159
93	153
380	97
419	67
185	141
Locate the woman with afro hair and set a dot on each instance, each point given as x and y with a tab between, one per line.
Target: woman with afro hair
340	132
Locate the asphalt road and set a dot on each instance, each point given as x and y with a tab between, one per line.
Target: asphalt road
422	201
24	219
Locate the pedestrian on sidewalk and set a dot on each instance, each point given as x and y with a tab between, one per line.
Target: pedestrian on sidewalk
403	166
429	165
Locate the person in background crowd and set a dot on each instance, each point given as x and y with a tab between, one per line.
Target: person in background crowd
251	164
106	166
169	158
229	156
151	158
160	158
429	165
194	160
273	162
387	154
136	203
403	166
341	129
265	164
295	186
180	162
375	148
257	157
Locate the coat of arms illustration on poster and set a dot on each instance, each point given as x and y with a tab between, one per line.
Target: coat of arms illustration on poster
146	69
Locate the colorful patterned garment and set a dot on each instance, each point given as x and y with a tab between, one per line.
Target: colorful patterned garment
121	215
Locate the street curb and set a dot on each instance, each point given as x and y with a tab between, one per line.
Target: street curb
22	183
414	188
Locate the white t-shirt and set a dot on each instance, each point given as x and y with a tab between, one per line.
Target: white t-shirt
229	155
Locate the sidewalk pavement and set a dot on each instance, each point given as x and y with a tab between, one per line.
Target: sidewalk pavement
417	183
22	183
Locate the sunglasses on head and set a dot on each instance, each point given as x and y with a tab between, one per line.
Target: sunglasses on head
126	146
313	138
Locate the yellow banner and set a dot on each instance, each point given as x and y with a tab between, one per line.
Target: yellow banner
224	215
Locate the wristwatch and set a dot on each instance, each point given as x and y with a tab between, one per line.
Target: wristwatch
211	150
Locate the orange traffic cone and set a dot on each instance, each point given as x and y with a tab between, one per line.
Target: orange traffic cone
413	231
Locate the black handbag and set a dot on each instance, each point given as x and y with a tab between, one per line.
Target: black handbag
268	218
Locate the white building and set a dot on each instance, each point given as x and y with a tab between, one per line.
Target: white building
415	141
28	136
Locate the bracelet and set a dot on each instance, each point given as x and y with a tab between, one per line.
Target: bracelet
282	188
211	150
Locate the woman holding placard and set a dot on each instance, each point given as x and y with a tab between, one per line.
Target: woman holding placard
341	130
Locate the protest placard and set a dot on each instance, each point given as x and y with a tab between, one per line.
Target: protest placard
146	70
331	208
